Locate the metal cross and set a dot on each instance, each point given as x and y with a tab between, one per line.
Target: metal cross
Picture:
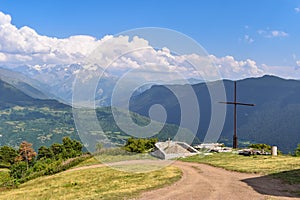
235	103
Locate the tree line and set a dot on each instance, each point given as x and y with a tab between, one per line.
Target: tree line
26	164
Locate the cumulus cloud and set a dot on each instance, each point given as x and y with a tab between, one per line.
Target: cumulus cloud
24	46
4	19
298	63
272	33
18	45
297	10
231	68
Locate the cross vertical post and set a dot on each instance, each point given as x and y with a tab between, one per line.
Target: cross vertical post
235	142
235	103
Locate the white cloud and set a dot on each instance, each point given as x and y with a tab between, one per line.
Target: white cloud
279	34
298	63
231	68
24	46
248	39
297	10
272	33
4	19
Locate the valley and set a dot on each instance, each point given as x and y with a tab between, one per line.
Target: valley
273	120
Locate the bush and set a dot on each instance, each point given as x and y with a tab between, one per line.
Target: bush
140	145
297	151
264	147
51	160
18	170
69	149
52	168
7	155
45	152
39	166
57	149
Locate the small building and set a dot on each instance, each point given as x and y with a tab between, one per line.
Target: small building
173	149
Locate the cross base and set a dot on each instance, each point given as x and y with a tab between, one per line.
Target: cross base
235	142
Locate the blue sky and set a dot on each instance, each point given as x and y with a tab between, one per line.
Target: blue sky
265	31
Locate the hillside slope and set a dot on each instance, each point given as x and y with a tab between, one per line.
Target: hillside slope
43	122
274	119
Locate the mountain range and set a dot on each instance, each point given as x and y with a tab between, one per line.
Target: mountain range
46	121
273	120
56	81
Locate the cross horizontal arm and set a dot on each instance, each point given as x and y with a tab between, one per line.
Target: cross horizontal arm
238	103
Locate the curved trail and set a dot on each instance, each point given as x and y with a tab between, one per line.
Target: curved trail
200	181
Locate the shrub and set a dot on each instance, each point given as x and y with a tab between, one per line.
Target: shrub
140	145
51	160
297	151
18	170
45	152
264	147
39	166
57	149
7	155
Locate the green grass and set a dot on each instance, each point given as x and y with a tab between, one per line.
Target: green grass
116	158
98	183
107	158
111	159
4	178
292	176
284	167
88	162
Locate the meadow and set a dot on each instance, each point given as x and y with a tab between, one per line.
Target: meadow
86	181
96	183
284	167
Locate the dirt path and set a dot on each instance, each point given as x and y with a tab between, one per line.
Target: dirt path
200	181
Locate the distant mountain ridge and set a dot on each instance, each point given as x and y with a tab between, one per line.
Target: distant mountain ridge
27	85
57	81
11	96
44	121
274	120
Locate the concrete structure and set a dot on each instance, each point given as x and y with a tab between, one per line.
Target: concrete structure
209	145
213	147
173	149
274	151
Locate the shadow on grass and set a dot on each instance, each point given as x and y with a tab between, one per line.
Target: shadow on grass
282	184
